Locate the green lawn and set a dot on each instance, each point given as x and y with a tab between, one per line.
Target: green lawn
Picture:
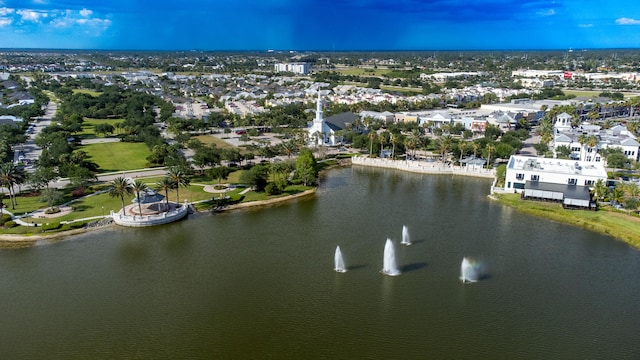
404	90
87	91
208	139
614	223
118	156
363	71
89	123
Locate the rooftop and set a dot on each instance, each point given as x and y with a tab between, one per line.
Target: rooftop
557	166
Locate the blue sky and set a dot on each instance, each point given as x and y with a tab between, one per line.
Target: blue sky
319	24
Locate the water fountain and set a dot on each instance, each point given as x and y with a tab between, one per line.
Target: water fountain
339	261
468	271
389	266
405	236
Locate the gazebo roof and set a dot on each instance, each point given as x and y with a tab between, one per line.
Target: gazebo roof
148	196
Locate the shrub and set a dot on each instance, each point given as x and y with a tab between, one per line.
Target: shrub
53	210
272	189
9	224
76	225
51	226
4	218
79	192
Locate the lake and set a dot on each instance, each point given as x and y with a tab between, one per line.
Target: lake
259	283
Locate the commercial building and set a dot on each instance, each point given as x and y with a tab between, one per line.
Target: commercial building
296	68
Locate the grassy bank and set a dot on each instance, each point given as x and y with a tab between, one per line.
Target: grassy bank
613	223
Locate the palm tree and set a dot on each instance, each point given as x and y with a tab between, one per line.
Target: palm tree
138	187
444	144
178	178
393	139
383	139
372	136
288	147
600	190
119	188
462	146
617	194
592	142
475	146
582	139
631	189
11	175
489	148
411	143
165	185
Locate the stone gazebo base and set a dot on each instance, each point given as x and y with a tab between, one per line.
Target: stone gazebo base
152	214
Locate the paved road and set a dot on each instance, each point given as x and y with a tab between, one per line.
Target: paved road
528	149
29	150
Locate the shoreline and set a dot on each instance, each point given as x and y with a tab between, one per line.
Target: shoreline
572	217
15	241
421	167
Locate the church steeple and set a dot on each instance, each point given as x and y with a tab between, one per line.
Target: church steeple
319	114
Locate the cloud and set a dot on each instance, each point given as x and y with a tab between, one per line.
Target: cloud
546	12
70	18
5	21
31	15
627	21
6	11
585	25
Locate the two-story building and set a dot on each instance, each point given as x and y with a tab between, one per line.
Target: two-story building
566	181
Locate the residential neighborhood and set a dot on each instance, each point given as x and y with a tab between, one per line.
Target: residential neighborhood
448	119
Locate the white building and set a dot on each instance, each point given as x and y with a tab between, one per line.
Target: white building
296	68
326	131
565	181
616	137
319	132
524	169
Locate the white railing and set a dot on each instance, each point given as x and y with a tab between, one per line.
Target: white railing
150	220
423	167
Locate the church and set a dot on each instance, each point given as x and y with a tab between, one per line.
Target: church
323	131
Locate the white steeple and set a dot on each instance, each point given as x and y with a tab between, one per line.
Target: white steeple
319	114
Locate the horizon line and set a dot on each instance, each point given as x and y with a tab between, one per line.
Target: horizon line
322	51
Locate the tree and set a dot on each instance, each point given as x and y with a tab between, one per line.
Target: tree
52	197
103	128
220	173
617	194
563	152
592	142
600	190
138	187
11	175
306	168
582	139
288	147
178	178
393	138
41	177
119	188
257	177
615	157
372	137
280	171
462	147
165	185
489	149
444	144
